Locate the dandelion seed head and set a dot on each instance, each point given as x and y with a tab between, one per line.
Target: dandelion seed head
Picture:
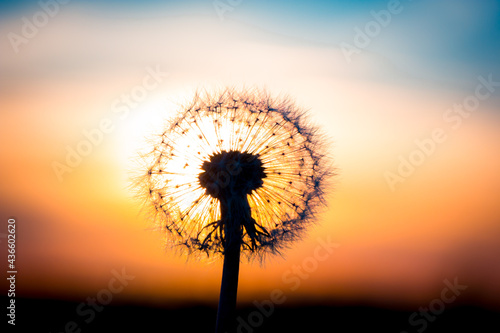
235	145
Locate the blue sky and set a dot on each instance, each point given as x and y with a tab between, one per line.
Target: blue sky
432	38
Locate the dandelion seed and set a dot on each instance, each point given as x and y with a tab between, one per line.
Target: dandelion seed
235	173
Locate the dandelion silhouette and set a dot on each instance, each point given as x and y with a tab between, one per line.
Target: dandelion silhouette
235	173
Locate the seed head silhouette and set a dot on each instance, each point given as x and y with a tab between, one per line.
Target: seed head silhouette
235	173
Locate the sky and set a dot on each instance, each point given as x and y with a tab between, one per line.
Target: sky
400	228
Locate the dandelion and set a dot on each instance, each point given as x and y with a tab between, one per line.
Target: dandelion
235	174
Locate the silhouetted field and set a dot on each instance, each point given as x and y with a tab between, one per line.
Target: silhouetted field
38	315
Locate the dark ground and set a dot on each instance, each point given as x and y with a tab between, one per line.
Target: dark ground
38	315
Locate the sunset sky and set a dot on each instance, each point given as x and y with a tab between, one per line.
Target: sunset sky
396	244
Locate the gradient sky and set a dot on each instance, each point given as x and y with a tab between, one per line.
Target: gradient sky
396	247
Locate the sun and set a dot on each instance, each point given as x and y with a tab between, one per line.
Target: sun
133	130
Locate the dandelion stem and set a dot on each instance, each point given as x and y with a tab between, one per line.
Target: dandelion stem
229	289
234	208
